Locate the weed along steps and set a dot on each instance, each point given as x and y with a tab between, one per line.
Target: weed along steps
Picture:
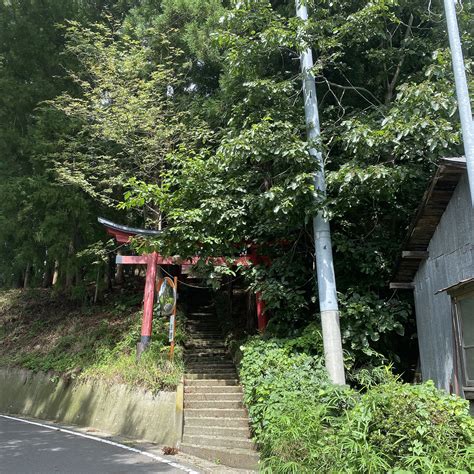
117	409
215	421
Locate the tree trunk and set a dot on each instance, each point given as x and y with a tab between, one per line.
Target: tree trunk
70	273
108	273
118	278
393	83
26	279
46	278
97	285
55	273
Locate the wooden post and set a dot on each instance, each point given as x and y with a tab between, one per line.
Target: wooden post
173	315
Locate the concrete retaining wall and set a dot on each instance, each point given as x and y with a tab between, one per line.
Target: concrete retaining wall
116	409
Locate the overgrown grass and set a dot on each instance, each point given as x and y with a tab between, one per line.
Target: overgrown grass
154	370
304	424
42	331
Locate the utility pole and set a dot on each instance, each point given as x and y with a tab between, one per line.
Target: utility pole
462	92
322	234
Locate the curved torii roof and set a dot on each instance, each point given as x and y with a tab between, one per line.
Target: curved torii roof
123	233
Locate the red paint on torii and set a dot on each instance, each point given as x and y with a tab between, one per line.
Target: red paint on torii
123	235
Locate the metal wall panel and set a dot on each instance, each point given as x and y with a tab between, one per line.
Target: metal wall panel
451	260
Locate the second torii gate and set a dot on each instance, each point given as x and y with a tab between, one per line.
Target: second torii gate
123	235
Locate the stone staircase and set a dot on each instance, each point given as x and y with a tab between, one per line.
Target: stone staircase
215	421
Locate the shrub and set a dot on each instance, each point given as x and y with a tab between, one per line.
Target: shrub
291	402
417	428
368	325
302	423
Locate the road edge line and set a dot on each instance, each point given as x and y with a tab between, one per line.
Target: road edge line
105	441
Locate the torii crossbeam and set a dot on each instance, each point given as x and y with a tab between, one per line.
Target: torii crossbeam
123	234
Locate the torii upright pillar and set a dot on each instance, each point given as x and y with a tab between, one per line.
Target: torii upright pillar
151	262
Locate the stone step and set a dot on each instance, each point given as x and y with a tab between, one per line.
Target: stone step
213	404
204	325
213	396
218	441
209	382
204	344
232	457
204	322
212	331
225	366
204	319
196	320
217	375
211	363
207	333
200	339
207	389
209	370
215	422
204	351
200	351
216	412
208	323
208	359
212	346
202	316
201	366
227	432
199	362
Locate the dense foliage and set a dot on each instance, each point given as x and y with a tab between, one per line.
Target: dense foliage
303	424
187	116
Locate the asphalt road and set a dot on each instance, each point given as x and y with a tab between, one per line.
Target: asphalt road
27	448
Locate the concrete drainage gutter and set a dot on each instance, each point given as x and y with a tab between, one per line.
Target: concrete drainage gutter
116	409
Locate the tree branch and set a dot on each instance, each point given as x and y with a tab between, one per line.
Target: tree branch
393	82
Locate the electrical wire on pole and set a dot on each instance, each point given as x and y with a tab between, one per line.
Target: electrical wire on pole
322	234
462	91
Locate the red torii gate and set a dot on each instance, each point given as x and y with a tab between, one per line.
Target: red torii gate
123	235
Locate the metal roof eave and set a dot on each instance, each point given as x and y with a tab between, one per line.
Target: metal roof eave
422	227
